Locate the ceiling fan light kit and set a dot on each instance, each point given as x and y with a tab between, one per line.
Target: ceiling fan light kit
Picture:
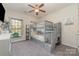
36	10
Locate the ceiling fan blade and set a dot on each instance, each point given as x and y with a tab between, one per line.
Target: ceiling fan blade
31	6
42	11
36	13
31	11
41	5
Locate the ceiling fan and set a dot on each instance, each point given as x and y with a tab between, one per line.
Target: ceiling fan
37	8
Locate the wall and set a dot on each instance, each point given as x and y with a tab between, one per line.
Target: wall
68	31
26	19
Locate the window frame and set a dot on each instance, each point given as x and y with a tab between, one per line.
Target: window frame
21	25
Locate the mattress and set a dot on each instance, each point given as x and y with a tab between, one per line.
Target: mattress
38	37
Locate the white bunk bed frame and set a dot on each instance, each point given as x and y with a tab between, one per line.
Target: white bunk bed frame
48	34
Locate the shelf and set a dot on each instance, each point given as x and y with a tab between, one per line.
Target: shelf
27	33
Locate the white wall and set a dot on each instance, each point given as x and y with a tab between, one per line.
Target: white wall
26	19
68	31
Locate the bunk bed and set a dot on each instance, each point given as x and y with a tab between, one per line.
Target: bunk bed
45	32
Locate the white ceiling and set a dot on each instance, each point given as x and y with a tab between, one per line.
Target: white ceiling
24	8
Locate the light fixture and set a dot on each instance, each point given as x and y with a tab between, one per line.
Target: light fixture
36	10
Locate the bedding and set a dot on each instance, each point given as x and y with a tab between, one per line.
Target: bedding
37	36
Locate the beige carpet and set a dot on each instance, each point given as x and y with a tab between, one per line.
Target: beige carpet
34	48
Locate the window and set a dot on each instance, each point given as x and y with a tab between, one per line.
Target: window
16	28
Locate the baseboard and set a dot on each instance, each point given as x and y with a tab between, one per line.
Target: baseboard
69	45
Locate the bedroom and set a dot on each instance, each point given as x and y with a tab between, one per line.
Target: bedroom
20	20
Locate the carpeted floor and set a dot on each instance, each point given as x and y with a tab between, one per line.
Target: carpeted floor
32	48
